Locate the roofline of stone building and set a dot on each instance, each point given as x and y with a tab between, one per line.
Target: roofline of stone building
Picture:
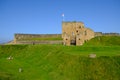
72	21
89	28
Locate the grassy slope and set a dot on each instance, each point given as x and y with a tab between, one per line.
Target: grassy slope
104	41
57	62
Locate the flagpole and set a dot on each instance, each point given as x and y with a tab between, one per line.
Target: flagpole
62	17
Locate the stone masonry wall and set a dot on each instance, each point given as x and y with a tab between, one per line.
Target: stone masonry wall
75	33
26	36
18	38
106	34
26	39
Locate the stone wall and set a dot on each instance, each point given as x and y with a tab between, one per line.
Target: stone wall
32	39
106	34
75	33
18	37
21	38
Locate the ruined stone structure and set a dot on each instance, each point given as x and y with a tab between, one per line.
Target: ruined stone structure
75	33
19	37
37	39
106	34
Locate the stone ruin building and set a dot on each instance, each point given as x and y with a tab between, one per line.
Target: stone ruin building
37	39
75	33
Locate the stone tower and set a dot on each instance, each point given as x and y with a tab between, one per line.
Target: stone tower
75	33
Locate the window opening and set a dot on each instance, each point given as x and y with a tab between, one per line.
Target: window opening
72	33
77	31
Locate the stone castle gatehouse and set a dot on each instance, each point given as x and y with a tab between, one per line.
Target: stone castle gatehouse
75	33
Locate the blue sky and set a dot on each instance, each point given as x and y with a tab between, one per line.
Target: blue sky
44	16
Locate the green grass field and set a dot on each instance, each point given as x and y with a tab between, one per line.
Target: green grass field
58	62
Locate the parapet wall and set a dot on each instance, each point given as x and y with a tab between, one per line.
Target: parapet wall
18	37
37	39
106	34
24	38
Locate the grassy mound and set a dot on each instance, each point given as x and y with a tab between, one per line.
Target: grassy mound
104	40
57	62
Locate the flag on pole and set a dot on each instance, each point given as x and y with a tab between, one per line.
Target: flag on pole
62	15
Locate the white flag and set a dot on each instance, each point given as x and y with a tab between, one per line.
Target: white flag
62	15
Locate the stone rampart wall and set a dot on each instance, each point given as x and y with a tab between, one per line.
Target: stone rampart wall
106	34
29	39
26	36
18	38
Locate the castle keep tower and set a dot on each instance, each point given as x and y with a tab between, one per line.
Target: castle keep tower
75	33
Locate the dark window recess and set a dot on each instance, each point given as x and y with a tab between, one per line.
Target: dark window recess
73	42
77	31
66	39
79	38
